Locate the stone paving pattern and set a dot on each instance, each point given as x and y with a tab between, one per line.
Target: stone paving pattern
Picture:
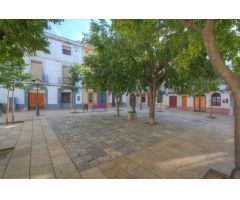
100	145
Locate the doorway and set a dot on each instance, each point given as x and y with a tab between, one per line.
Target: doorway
32	99
173	101
184	102
200	103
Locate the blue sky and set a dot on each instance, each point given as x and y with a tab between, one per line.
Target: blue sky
71	28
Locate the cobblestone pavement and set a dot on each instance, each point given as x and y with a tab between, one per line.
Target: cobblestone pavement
59	144
93	140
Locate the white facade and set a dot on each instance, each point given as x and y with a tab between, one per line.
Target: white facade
225	105
52	73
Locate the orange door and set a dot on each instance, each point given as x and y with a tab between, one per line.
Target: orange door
202	103
41	100
196	103
184	102
32	100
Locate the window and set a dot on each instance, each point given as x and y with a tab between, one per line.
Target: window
66	97
66	50
216	99
90	97
36	70
66	75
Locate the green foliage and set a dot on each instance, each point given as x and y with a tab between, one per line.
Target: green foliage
169	55
19	38
227	34
111	67
13	75
76	75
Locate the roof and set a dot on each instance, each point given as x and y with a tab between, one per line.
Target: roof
63	39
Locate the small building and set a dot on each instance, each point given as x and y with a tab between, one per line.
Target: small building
220	102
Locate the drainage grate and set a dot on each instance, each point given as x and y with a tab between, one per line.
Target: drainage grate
5	152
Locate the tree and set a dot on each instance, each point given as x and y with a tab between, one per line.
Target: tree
220	40
155	47
75	78
20	37
12	76
110	67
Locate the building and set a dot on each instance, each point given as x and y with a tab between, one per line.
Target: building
142	101
52	71
220	102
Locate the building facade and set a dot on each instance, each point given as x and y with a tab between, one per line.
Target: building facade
50	74
218	102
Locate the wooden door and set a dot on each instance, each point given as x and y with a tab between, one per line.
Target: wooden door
173	101
41	100
32	100
184	102
200	103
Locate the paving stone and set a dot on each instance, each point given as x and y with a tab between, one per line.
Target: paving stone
44	171
94	163
93	173
83	165
82	152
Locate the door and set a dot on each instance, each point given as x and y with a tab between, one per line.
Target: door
41	100
200	103
101	98
32	100
184	102
203	103
173	101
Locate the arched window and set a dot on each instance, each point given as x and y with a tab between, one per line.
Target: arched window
216	99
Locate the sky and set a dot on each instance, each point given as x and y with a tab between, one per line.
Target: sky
71	28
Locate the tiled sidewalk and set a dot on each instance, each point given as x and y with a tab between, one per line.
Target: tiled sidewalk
37	153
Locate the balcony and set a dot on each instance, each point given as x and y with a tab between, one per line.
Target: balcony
64	80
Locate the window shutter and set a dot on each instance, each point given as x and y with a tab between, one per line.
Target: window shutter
36	70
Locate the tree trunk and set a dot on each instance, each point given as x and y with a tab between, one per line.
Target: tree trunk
152	99
210	114
236	172
74	102
118	105
231	79
7	106
13	108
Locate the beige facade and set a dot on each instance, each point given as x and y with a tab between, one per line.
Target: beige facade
91	97
223	106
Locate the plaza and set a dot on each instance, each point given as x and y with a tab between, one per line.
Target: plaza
61	144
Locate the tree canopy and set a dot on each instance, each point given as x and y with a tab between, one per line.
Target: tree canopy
22	37
110	66
156	46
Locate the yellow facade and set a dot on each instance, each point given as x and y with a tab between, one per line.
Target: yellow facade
95	97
